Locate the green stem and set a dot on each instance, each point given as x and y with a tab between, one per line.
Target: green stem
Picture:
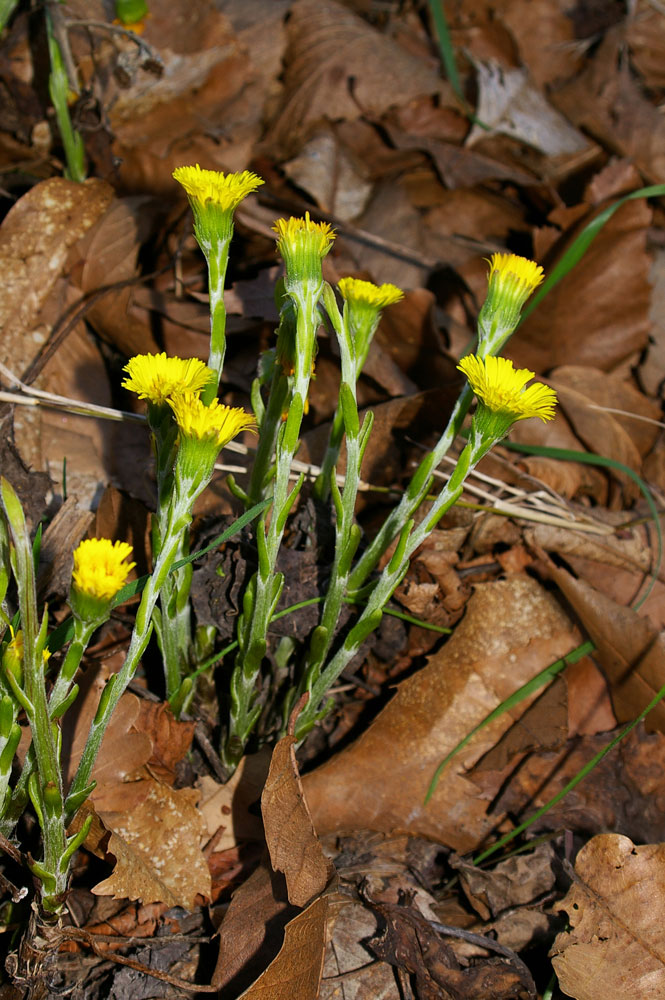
414	495
410	538
179	520
265	587
218	259
83	632
270	424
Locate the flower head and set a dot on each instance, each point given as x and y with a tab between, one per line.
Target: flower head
502	396
365	293
224	190
511	281
216	422
214	197
100	571
364	302
157	378
303	244
204	430
14	652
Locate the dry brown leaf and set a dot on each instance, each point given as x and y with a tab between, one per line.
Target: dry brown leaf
625	792
110	253
211	75
60	538
35	240
629	648
616	909
123	750
157	848
545	38
516	881
628	550
511	630
336	70
292	842
645	37
612	393
295	974
610	104
170	738
252	929
509	104
226	807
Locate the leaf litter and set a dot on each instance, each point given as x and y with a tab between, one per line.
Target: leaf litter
343	108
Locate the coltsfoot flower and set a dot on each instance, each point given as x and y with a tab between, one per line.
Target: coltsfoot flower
364	302
502	396
358	292
214	197
101	569
511	281
157	378
302	245
204	430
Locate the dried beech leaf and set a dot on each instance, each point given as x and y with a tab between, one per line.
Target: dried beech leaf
171	739
252	928
156	845
630	649
616	907
329	47
35	240
512	629
509	103
226	807
123	750
292	842
295	974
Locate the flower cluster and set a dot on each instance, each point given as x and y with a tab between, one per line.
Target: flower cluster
365	293
363	304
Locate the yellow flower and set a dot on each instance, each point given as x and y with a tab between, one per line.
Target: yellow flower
303	244
156	378
215	423
517	274
101	568
12	658
368	294
511	281
500	388
224	190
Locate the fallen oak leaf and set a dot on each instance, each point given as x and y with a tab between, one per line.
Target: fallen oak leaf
293	845
615	946
157	849
629	648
